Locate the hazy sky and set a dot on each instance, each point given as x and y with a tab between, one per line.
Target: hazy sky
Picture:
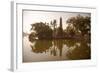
30	17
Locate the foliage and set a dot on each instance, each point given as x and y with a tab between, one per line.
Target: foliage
70	30
42	30
78	26
81	23
32	36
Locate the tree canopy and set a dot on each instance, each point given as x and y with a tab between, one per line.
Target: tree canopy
42	30
81	23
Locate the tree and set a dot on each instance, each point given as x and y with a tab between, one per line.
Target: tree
54	24
42	30
70	30
81	23
32	36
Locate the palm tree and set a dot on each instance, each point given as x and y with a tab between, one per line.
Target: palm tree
54	24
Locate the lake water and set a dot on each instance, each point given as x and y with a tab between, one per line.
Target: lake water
55	50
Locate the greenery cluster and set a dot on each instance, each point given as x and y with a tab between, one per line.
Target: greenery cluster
78	27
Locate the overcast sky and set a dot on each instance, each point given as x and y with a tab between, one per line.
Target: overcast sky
30	17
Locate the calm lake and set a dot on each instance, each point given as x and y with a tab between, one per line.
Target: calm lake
55	50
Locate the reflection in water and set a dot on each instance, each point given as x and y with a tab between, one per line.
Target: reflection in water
80	52
41	46
69	49
52	50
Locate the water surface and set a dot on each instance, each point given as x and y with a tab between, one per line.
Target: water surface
55	50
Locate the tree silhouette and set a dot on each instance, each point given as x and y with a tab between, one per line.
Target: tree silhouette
54	24
42	30
70	30
81	23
